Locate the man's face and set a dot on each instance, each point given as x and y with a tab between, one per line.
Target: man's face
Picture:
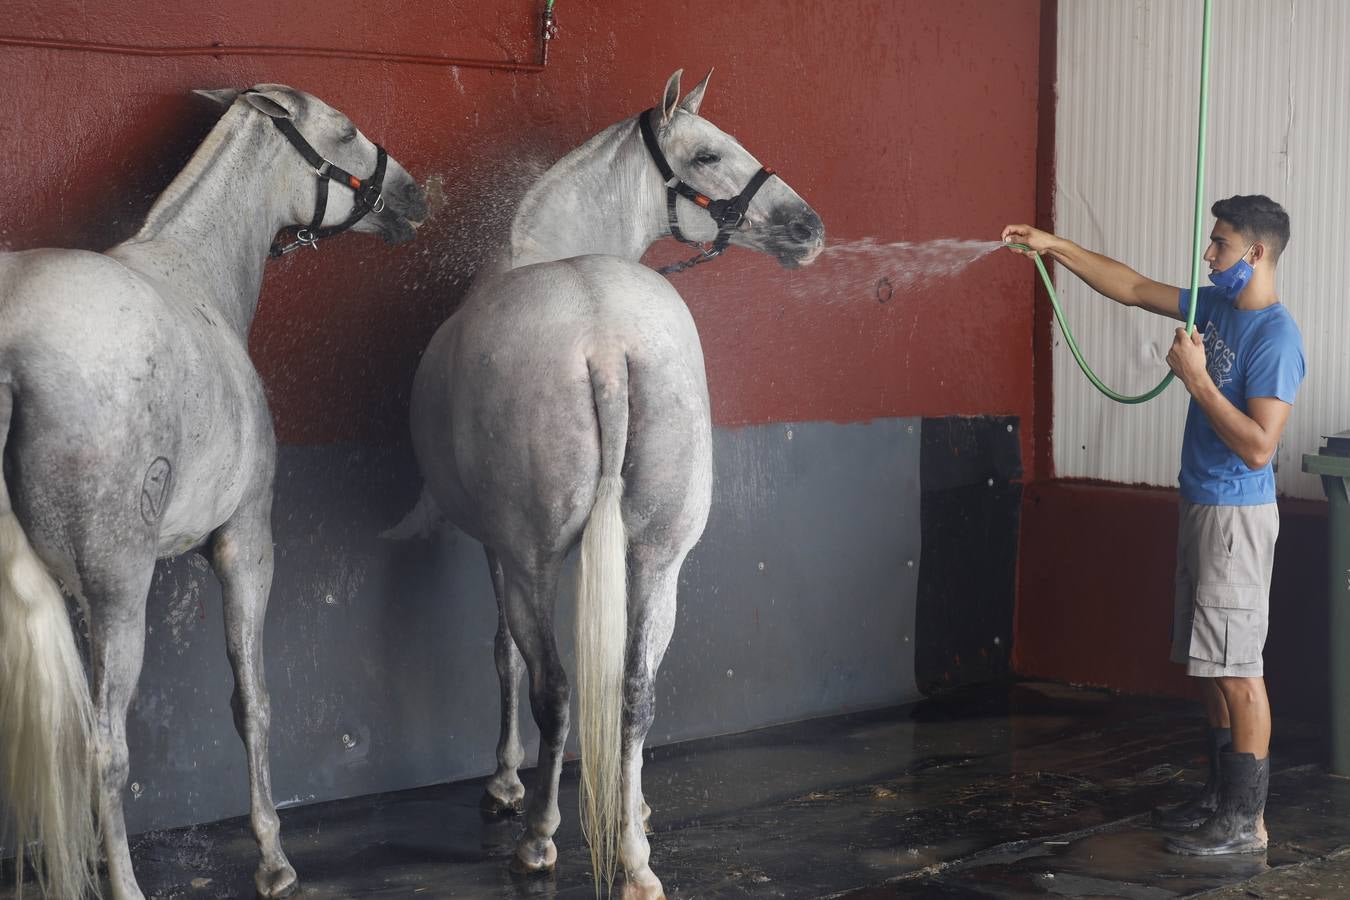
1226	246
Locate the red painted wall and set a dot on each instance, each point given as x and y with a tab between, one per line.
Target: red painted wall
899	121
1095	594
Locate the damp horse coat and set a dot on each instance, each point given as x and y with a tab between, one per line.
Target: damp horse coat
134	427
565	403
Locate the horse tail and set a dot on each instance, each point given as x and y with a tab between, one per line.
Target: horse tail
48	773
602	628
420	522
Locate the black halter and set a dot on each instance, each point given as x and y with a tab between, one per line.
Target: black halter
728	214
367	194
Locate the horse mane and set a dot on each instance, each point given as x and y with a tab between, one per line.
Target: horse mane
612	136
181	188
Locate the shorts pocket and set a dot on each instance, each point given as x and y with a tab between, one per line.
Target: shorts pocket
1229	623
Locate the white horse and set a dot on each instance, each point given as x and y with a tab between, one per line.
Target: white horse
134	427
566	402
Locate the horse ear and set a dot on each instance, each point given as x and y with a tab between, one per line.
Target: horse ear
691	101
672	96
224	96
266	105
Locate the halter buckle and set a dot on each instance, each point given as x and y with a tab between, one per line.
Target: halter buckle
364	195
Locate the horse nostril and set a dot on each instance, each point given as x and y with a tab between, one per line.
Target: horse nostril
806	229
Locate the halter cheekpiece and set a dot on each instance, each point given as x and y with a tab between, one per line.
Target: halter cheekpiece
728	214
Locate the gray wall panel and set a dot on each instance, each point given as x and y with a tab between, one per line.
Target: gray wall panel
799	601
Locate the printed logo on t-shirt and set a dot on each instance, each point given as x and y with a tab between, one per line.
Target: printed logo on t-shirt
1219	357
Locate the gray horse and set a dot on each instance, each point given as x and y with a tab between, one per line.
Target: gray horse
566	402
134	427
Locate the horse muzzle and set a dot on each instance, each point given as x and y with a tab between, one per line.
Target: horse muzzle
405	209
796	239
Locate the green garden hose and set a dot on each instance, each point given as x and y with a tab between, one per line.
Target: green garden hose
1196	255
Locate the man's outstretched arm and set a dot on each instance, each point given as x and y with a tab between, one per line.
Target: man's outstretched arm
1103	274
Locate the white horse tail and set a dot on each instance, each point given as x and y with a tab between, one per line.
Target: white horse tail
48	774
420	522
602	628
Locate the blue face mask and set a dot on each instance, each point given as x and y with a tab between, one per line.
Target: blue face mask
1234	278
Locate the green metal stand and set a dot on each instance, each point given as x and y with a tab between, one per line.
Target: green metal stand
1333	464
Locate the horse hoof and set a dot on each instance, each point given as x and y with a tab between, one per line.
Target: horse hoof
492	807
274	884
532	857
646	888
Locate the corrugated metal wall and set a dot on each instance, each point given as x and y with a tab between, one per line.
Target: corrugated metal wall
1125	168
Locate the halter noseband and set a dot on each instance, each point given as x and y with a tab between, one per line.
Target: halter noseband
728	214
367	195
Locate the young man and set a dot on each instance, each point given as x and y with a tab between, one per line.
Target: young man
1242	367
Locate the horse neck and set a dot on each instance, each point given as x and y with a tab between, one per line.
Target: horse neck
208	234
603	197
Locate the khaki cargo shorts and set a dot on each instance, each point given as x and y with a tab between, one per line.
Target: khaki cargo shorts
1222	609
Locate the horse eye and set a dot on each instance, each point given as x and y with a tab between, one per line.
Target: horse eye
704	158
347	136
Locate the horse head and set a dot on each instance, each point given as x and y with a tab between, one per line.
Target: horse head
372	192
763	212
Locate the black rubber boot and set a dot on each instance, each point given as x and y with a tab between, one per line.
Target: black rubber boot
1194	812
1238	825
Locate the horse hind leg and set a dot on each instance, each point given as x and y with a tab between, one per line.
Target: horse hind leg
242	556
651	623
117	598
530	596
505	794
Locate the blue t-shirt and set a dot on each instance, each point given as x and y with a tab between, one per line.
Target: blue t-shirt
1249	353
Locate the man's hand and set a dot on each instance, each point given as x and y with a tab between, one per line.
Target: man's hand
1187	358
1039	241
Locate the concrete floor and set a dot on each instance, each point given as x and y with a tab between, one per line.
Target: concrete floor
1018	790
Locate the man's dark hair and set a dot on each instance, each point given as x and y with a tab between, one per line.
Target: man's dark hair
1257	218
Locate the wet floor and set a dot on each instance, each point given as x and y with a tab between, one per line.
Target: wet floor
1019	790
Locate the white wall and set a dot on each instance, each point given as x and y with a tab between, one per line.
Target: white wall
1279	124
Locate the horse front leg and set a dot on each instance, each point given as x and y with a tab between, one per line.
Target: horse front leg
241	553
651	621
117	648
529	611
505	794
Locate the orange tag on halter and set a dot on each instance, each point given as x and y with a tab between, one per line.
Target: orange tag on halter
702	201
354	182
